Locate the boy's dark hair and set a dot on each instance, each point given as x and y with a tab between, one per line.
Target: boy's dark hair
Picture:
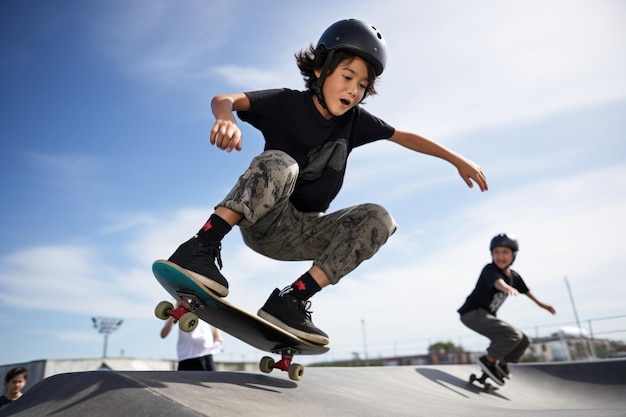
313	58
18	370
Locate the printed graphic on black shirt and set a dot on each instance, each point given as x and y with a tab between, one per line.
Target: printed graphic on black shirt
331	155
498	299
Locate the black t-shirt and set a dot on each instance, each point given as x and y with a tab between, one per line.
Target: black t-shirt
290	122
4	401
486	296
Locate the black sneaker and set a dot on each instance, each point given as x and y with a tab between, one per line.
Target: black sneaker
490	369
503	369
200	260
291	314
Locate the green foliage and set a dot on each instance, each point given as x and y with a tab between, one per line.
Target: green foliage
444	347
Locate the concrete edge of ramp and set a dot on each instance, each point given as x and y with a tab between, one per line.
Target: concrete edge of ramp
559	389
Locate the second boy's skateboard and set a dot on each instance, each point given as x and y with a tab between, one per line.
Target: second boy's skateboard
487	386
196	301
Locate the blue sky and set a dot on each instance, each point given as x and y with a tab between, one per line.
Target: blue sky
106	164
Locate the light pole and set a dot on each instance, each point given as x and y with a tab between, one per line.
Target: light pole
364	342
571	298
106	326
592	351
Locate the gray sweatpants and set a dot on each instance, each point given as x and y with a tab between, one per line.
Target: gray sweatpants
507	342
337	242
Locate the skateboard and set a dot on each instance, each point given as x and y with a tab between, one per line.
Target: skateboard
198	302
487	386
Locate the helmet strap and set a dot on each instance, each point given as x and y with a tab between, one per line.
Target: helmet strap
317	85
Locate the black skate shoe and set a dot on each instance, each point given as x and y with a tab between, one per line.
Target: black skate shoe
291	314
490	369
503	369
200	259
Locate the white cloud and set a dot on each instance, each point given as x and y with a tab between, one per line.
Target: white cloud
249	78
75	280
492	62
165	42
64	170
452	65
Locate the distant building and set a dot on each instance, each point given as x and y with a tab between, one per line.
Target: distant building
435	358
570	344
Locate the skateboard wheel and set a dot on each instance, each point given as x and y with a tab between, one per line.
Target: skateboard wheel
162	308
296	372
188	322
472	378
266	364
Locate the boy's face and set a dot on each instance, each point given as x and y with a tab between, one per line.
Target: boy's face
344	88
15	384
502	256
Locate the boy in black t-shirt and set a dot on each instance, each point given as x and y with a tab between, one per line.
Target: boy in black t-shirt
497	281
14	383
279	203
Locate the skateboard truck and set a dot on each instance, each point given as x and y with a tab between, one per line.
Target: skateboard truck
295	370
183	314
488	387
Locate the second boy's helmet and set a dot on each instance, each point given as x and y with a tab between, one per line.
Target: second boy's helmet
508	241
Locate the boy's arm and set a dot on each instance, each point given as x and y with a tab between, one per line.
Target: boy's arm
225	133
167	327
467	169
540	304
501	285
217	336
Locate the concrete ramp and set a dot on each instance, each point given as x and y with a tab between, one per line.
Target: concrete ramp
564	389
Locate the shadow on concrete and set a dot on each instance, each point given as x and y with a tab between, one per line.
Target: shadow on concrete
456	384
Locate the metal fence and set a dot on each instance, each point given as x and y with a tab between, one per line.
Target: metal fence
595	338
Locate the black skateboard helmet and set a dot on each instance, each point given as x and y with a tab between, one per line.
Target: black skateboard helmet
508	241
358	37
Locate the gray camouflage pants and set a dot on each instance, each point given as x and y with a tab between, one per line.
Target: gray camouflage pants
337	242
507	342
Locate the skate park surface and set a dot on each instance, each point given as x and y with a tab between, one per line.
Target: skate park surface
589	388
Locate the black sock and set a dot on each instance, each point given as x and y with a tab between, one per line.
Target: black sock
214	230
303	288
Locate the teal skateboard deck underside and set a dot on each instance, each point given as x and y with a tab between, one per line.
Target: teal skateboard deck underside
218	312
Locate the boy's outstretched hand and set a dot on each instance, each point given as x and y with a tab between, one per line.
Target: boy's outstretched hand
471	171
226	135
